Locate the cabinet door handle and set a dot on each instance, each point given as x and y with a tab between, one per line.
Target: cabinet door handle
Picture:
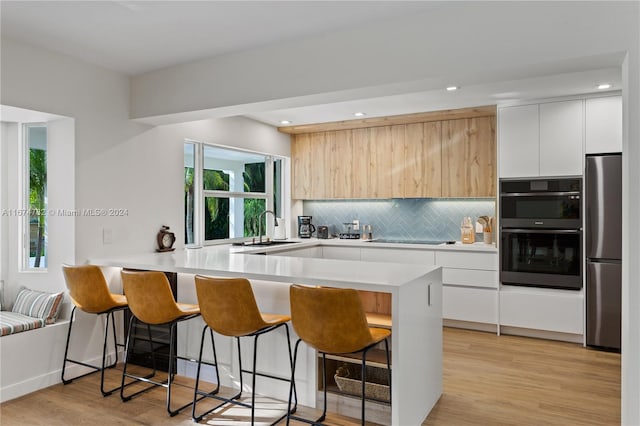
429	295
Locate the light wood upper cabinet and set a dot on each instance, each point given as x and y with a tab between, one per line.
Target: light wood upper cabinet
398	163
450	158
422	165
468	157
301	159
381	165
360	163
320	164
340	165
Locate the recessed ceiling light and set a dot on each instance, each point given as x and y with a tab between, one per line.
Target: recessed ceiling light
285	122
603	86
452	88
359	114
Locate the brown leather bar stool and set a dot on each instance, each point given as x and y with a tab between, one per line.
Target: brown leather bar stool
229	307
90	293
333	321
151	302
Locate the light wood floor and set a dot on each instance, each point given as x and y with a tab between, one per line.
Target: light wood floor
488	380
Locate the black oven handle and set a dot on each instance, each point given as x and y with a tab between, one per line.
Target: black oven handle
537	194
543	231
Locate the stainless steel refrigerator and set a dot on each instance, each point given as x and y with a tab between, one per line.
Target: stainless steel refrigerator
603	192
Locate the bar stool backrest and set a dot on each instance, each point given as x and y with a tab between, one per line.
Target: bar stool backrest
88	289
331	320
228	305
150	297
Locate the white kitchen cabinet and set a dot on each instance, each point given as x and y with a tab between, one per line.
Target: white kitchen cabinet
561	135
341	253
310	252
420	257
470	286
470	304
542	309
541	139
519	141
603	125
470	277
467	260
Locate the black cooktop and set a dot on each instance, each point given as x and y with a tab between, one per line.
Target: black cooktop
403	241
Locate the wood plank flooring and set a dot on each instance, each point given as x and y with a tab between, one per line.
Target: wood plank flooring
488	380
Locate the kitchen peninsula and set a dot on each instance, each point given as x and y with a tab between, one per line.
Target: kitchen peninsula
416	306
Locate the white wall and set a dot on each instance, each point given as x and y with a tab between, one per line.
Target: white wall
60	195
145	176
631	235
119	164
463	42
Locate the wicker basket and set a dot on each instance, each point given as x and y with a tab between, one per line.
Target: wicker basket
354	387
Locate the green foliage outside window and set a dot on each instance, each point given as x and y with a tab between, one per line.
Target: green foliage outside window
37	203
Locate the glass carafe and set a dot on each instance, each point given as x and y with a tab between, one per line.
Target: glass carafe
467	231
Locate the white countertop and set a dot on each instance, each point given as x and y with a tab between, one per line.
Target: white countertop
457	246
311	242
227	260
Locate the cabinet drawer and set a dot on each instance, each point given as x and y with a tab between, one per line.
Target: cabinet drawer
420	257
470	304
470	277
467	260
550	310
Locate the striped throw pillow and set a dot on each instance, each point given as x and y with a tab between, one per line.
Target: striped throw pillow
38	304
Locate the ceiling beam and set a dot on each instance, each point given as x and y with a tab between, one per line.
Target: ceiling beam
421	117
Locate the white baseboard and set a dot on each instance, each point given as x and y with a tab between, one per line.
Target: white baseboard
32	384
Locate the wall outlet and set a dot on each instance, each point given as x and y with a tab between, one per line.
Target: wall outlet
107	236
356	224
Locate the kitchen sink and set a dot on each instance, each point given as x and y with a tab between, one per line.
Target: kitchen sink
266	243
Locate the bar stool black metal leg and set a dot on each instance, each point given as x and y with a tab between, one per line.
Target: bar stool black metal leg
104	356
66	349
253	379
196	388
364	381
386	347
295	393
293	379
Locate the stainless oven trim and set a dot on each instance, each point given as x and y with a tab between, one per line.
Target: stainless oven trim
542	231
565	282
540	224
541	193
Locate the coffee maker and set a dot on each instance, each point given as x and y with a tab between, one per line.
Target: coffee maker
305	228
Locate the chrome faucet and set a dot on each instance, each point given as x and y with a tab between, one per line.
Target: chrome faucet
264	213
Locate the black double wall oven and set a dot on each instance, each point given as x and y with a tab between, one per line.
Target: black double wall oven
541	233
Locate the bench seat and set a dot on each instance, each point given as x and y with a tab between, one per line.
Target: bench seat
12	322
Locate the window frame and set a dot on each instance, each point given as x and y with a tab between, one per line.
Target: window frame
200	194
24	170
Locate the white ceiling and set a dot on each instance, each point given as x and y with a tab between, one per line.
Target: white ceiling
135	37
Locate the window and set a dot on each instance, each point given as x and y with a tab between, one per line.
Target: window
35	196
226	192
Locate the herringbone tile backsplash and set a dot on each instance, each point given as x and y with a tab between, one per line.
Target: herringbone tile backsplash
410	219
